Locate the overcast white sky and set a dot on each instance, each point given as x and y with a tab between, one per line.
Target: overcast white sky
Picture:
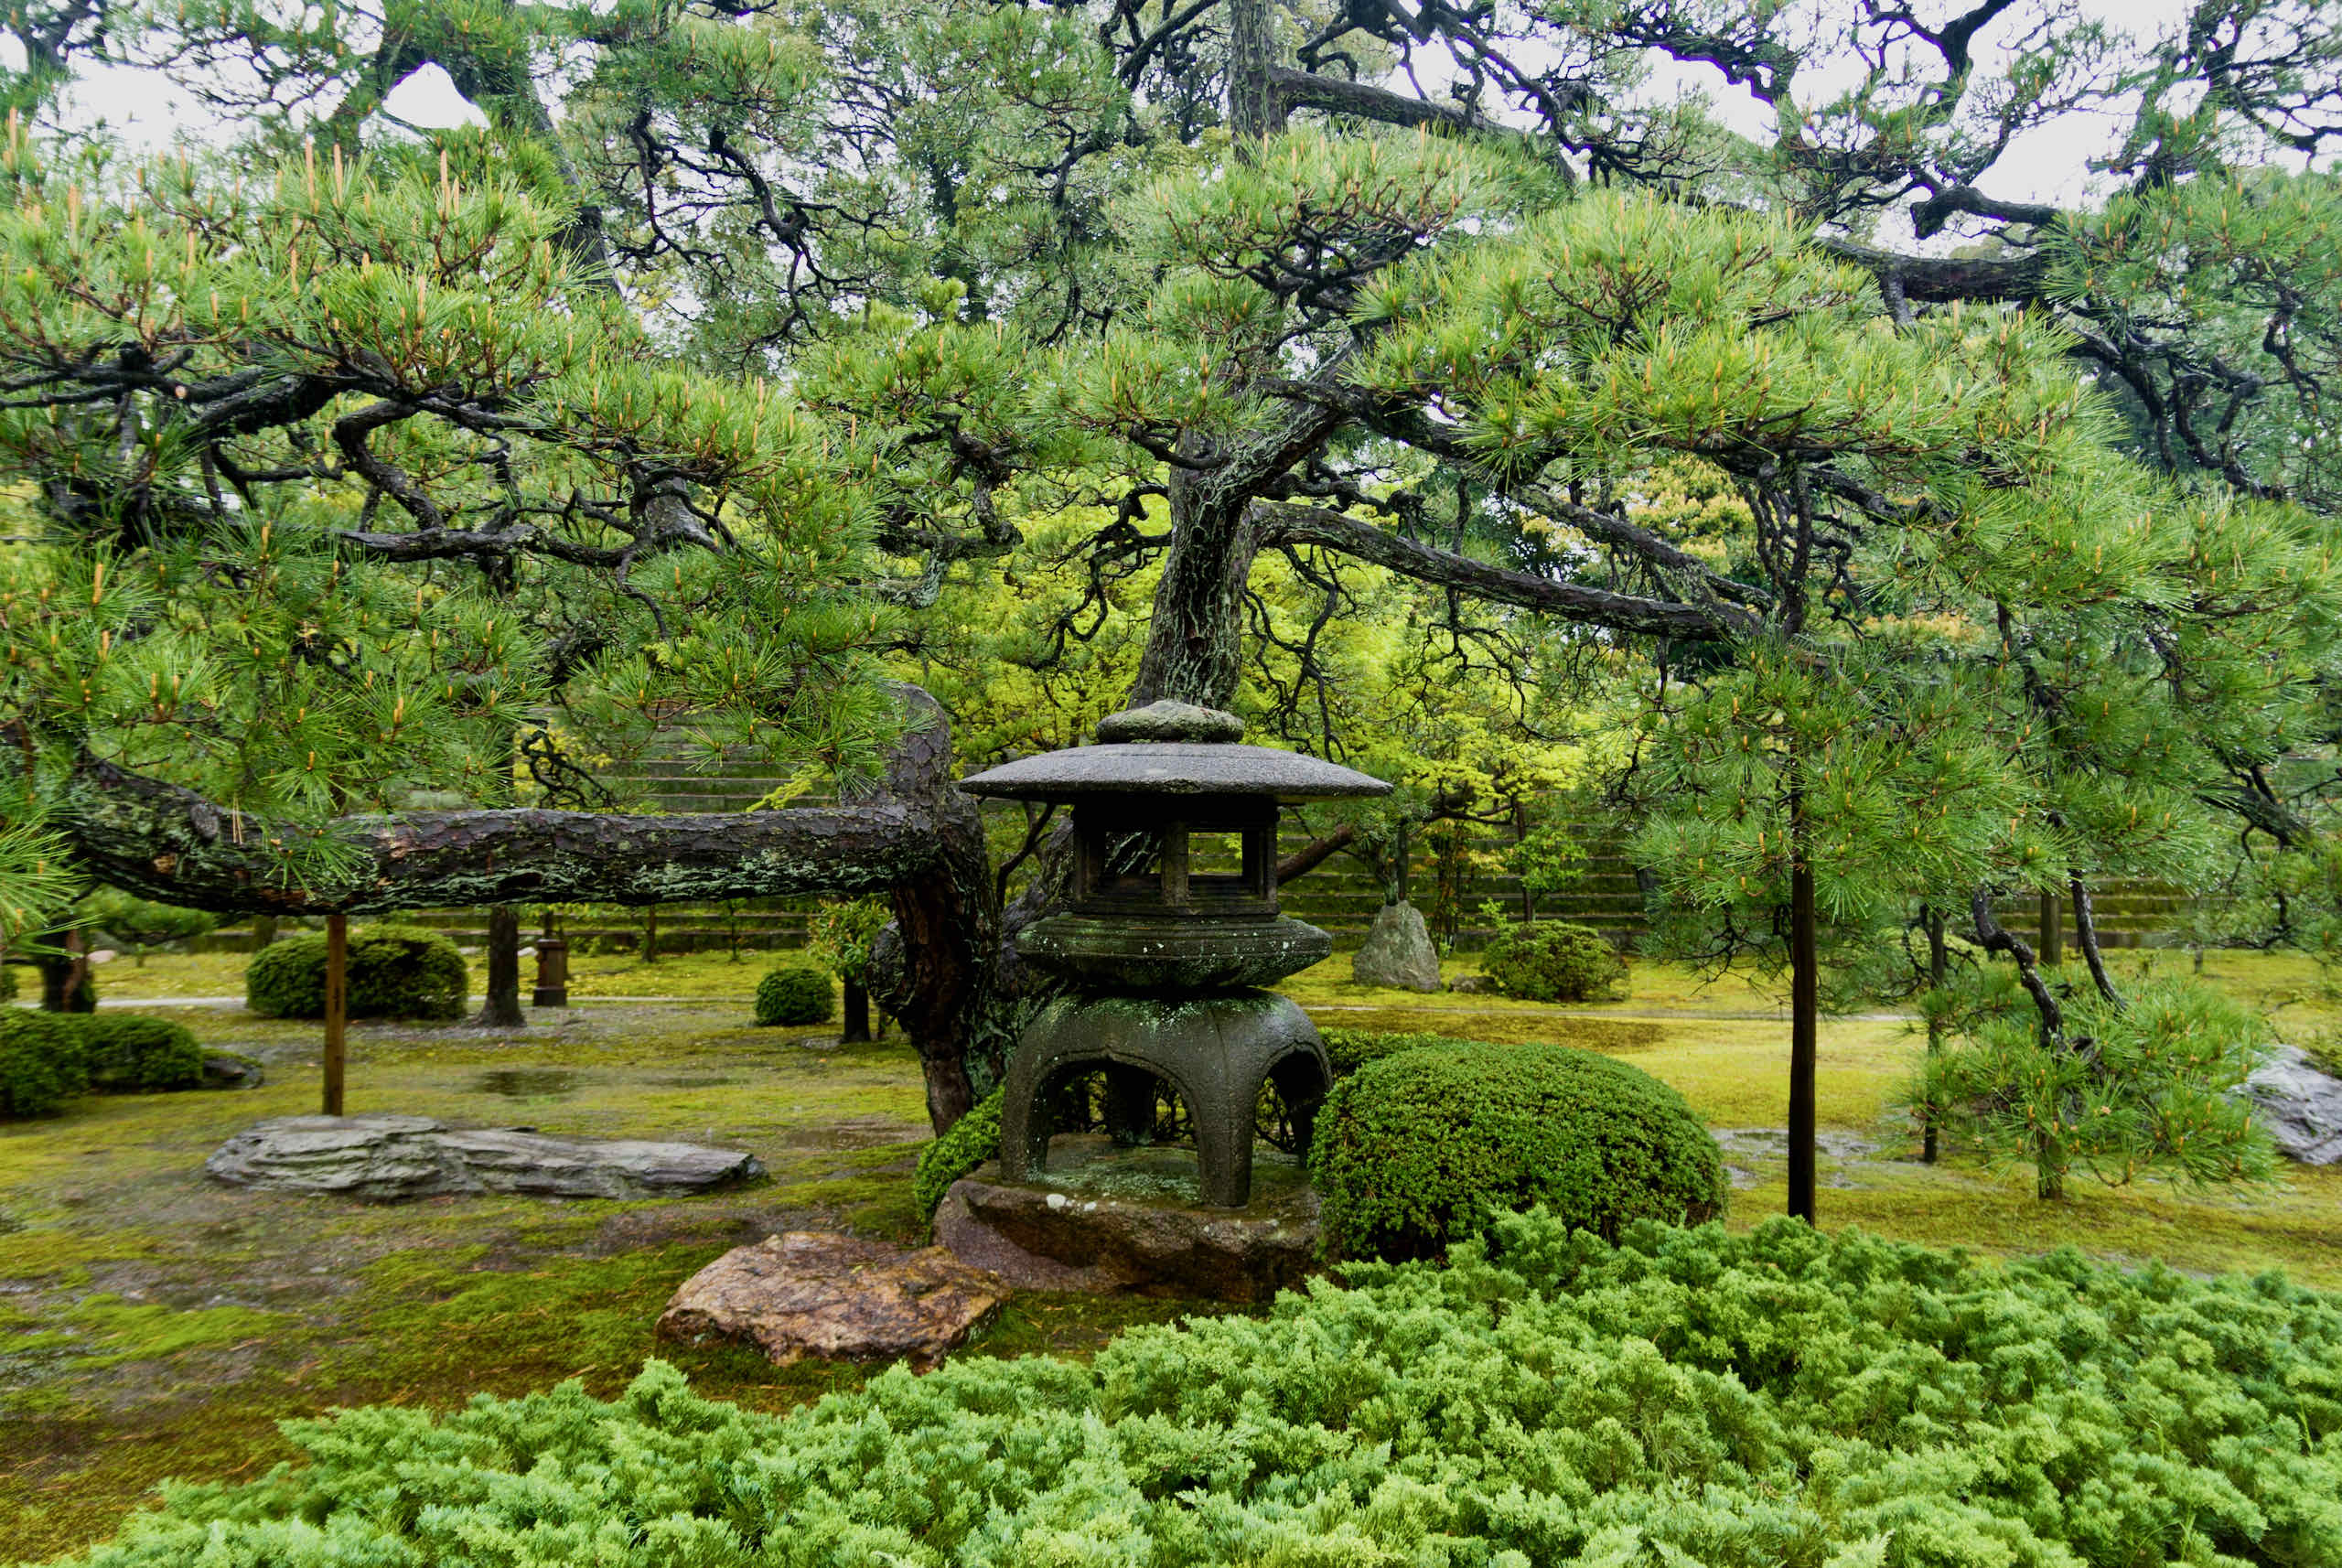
2048	164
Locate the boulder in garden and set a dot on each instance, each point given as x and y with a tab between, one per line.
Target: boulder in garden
809	1292
2299	1106
1397	952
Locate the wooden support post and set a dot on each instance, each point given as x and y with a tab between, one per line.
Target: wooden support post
2053	934
337	1006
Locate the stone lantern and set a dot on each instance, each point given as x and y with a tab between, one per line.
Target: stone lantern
1172	931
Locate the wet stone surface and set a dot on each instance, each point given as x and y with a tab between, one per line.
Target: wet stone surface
387	1158
1106	1218
810	1293
2299	1105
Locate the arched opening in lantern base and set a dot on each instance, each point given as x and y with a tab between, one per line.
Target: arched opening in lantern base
1148	1105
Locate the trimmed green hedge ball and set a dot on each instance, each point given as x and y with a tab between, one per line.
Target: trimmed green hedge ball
395	971
1417	1149
796	993
1553	960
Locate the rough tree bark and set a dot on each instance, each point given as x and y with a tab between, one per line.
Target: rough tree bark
1939	972
66	985
501	1008
856	1030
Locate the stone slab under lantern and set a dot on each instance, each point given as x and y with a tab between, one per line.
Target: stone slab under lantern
1168	943
1113	1220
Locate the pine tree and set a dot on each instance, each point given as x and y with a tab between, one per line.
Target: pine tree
1009	261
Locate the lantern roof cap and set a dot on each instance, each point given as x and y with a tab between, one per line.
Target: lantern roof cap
1173	748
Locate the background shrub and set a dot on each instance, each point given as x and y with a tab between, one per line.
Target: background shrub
42	1062
796	993
46	1057
1689	1396
125	1052
1553	960
972	1140
139	924
1414	1151
395	971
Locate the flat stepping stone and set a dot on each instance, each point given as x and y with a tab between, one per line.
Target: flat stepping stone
387	1158
840	1298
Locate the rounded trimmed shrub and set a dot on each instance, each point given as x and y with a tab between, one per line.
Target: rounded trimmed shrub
1349	1049
1553	960
1418	1150
796	993
125	1052
46	1057
973	1139
395	971
42	1061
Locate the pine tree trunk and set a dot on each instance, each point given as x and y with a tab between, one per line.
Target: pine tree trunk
1938	970
1805	1015
1194	636
2048	1166
263	932
503	1008
1253	111
857	1014
2086	934
66	985
337	1010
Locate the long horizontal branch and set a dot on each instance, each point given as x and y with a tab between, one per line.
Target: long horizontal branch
1301	90
161	841
1280	523
1937	279
912	829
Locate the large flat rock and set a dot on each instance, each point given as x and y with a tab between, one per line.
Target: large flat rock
386	1158
1112	1220
2298	1106
809	1292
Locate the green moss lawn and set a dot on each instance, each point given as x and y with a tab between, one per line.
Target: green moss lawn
153	1324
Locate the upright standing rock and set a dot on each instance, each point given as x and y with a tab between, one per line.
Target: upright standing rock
1397	952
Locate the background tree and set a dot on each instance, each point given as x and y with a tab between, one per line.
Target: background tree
1015	260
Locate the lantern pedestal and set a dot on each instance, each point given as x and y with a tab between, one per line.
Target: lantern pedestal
1216	1052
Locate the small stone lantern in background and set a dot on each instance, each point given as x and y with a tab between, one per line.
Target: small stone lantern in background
553	969
1167	950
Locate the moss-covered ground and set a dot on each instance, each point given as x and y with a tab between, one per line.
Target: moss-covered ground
154	1324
